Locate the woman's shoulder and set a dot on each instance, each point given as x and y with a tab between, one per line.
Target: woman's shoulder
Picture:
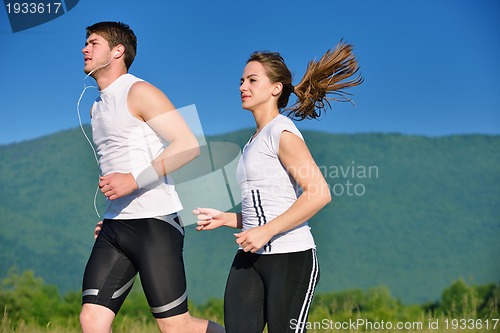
282	123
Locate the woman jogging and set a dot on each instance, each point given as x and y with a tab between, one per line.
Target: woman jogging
275	270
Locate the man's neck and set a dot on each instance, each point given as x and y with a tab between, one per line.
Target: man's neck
104	80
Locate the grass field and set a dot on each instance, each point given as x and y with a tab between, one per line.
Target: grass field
353	325
32	307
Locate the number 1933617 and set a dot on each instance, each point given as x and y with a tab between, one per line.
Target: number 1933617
33	7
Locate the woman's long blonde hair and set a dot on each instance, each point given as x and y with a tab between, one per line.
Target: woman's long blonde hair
323	81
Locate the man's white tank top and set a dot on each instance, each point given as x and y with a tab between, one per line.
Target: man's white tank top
125	143
268	190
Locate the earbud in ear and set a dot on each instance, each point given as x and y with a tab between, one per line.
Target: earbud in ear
116	53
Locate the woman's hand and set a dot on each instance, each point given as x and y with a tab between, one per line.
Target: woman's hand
209	218
252	240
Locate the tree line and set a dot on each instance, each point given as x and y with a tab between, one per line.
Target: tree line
25	298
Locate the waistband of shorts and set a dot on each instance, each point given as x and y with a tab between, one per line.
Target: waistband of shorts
168	217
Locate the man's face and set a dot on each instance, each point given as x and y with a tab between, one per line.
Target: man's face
96	52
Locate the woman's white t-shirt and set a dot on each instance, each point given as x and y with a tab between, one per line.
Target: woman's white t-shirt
267	188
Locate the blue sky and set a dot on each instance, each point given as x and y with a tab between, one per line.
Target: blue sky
430	67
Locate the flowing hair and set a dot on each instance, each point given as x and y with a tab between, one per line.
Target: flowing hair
324	80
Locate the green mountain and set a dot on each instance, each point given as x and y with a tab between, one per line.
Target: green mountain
412	213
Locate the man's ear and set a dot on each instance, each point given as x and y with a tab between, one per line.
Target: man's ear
120	49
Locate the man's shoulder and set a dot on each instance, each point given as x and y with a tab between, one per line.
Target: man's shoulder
142	88
132	78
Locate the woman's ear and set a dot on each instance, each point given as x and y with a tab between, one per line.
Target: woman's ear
278	88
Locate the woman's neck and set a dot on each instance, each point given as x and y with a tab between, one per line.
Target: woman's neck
262	118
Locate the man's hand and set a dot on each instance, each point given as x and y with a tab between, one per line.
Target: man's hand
117	185
97	229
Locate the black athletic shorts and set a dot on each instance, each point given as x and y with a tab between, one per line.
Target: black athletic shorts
149	246
272	289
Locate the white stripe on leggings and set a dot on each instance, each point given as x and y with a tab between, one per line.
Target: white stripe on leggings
301	324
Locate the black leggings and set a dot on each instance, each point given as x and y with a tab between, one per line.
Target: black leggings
149	246
272	289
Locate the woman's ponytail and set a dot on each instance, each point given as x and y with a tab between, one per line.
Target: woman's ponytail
325	81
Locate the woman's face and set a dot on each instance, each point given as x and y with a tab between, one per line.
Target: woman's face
256	89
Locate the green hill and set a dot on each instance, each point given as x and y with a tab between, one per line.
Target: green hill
412	213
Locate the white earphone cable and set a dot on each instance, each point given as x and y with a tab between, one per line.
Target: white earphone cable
85	87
